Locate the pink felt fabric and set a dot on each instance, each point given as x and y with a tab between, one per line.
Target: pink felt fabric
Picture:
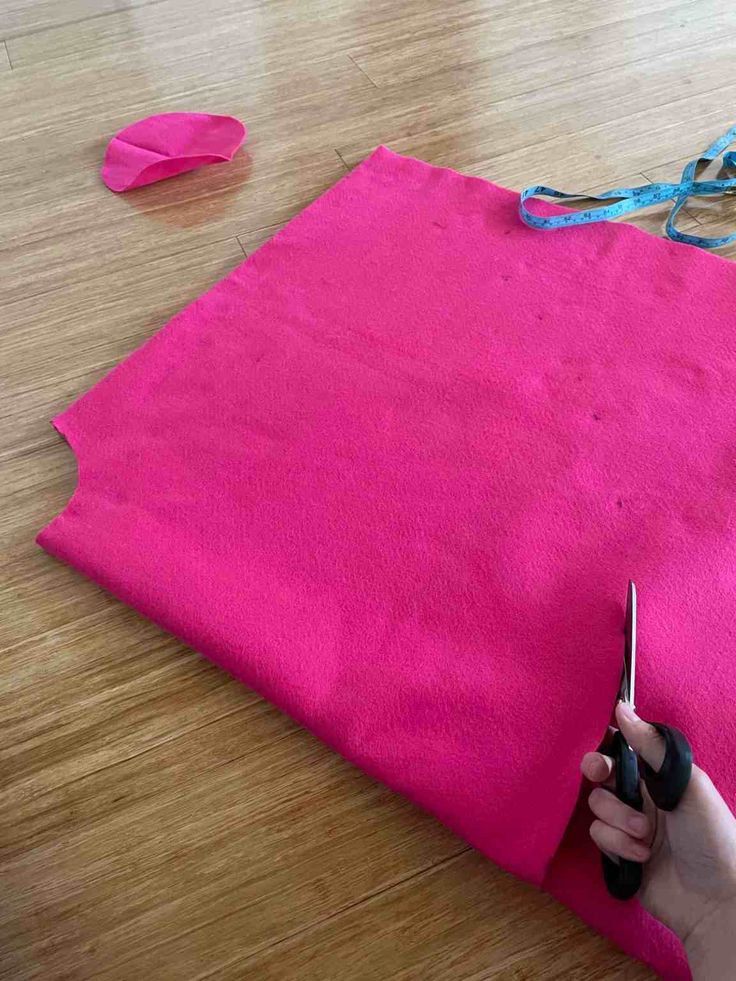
168	144
395	471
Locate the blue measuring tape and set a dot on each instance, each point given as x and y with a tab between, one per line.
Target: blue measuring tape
633	198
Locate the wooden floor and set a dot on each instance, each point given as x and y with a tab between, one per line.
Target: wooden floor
159	821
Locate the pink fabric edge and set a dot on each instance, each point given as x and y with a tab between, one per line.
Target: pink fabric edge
203	159
545	208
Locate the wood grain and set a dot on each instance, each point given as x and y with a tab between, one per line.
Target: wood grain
28	16
157	819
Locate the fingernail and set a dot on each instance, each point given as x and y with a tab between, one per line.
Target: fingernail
638	824
628	712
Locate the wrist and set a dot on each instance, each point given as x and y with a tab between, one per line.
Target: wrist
711	944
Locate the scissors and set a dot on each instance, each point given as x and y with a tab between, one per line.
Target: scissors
665	786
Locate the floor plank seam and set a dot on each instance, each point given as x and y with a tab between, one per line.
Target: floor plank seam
76	21
341	159
363	71
687	210
335	914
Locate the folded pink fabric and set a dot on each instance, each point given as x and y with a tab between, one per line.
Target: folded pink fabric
394	473
171	143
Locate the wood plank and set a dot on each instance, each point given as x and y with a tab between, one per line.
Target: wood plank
719	220
90	326
261	31
39	594
23	16
552	46
92	706
173	28
621	125
122	838
461	919
42	594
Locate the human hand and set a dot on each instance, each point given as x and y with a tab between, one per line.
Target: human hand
689	879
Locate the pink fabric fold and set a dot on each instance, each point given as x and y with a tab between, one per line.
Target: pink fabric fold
394	473
168	144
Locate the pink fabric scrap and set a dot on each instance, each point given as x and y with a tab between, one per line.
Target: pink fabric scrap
394	473
168	144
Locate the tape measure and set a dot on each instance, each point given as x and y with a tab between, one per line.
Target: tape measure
628	199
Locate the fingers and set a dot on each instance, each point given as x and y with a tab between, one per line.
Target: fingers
596	767
616	842
643	738
615	813
619	830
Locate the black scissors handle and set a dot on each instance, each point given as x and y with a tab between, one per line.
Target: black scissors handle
665	786
622	876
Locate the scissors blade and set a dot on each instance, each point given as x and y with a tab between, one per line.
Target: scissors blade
628	678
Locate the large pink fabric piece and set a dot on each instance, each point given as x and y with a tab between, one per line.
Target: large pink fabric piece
395	471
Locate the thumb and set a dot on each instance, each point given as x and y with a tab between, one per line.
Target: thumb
643	738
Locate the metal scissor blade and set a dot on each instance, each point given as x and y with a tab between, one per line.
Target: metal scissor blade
628	678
